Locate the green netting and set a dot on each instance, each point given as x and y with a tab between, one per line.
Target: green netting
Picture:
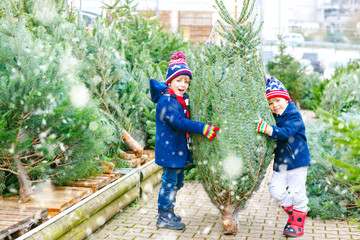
228	90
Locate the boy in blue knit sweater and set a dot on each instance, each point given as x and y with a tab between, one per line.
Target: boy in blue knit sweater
173	126
292	157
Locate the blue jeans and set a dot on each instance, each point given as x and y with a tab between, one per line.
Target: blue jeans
172	181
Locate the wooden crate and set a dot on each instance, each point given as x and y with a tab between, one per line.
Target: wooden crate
15	219
196	25
197	33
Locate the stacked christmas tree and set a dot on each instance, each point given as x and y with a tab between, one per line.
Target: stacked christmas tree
50	127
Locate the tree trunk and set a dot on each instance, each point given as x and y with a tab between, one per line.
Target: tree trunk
123	155
229	220
24	181
132	143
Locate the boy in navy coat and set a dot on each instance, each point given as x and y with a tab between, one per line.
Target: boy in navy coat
292	157
172	140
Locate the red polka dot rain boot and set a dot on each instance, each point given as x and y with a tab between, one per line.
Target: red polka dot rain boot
296	227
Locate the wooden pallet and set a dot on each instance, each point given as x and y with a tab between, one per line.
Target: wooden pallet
15	219
95	183
55	200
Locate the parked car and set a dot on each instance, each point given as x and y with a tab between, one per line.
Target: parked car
306	67
315	61
294	39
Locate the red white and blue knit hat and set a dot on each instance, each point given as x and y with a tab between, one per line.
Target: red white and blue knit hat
177	67
274	88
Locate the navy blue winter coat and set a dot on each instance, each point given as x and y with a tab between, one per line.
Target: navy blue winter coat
171	127
291	144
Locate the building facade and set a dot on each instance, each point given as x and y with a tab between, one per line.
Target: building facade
195	19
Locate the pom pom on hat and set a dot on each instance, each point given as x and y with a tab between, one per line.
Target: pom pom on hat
274	88
177	67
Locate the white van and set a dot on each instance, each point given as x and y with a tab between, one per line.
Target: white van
294	39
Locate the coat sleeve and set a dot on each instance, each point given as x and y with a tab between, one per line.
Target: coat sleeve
291	126
172	115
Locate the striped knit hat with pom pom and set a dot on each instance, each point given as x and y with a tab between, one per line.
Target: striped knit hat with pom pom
274	88
177	67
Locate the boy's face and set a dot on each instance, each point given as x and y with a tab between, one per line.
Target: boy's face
180	84
278	105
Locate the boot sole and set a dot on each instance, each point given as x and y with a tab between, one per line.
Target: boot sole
291	235
159	226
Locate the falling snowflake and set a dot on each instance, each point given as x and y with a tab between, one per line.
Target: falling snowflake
232	166
80	96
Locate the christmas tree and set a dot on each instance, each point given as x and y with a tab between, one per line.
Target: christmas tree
228	90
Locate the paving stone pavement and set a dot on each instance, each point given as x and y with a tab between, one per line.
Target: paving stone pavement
261	219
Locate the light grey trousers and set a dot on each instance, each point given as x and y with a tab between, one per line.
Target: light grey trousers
288	188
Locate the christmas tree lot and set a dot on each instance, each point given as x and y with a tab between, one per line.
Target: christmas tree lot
229	91
74	97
